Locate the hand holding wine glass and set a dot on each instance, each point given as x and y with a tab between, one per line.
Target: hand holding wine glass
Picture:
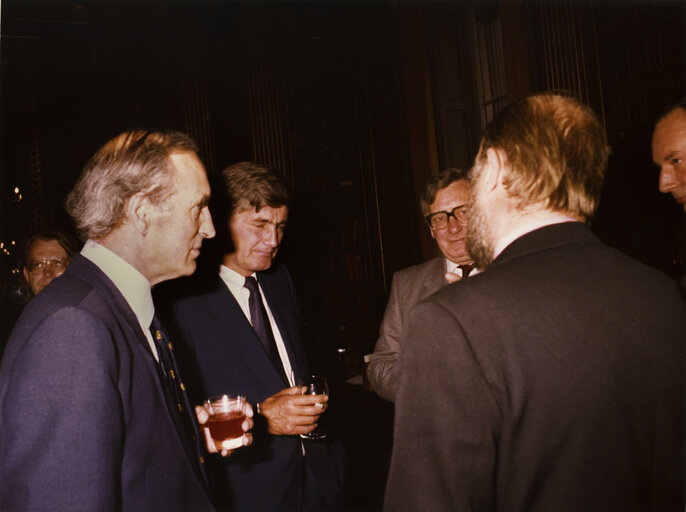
315	385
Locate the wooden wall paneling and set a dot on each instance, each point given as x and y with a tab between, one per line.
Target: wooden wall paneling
419	110
453	81
516	29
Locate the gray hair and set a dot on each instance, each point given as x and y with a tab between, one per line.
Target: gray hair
133	162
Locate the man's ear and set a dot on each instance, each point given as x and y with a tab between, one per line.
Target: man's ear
494	169
139	211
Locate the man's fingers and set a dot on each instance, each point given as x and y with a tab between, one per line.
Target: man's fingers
209	442
202	414
452	277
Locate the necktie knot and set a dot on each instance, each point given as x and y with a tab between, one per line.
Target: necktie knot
251	284
466	269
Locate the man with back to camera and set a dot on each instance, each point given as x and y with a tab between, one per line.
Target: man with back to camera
46	256
445	205
553	380
92	414
227	353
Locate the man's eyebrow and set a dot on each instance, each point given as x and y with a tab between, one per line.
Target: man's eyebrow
264	220
205	201
671	154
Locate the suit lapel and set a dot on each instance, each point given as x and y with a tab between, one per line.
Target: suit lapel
225	312
277	298
433	279
129	324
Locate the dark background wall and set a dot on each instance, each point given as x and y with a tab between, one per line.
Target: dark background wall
356	103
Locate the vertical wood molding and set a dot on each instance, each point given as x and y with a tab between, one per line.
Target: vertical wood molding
419	101
515	26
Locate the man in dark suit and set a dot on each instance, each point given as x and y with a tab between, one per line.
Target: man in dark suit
92	413
444	205
553	380
669	154
241	332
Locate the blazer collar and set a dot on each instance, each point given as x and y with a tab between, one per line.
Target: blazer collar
435	274
547	237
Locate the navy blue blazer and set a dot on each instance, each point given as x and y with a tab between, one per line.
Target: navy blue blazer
224	355
84	423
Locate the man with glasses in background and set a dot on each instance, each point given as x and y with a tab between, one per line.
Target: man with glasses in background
445	206
47	256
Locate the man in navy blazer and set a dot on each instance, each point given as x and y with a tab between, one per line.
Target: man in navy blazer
219	329
86	418
553	380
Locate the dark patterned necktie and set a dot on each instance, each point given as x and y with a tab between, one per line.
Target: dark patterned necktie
260	323
466	269
175	390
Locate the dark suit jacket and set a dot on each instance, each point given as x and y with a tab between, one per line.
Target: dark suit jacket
83	419
409	286
552	381
224	355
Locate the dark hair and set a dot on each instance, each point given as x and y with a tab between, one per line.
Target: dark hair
48	236
666	112
438	182
249	184
133	162
557	152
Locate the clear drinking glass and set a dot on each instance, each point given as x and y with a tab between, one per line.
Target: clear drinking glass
226	417
315	385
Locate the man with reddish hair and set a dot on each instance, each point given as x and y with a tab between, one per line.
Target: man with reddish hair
553	380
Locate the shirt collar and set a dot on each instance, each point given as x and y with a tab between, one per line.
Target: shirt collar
233	279
130	282
454	268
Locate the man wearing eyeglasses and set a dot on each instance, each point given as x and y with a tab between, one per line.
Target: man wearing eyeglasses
445	207
47	256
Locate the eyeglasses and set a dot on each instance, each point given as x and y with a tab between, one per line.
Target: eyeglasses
439	220
57	267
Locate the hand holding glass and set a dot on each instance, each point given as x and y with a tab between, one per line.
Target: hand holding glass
225	422
315	385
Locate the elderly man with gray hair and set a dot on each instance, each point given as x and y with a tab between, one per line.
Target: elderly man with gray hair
93	412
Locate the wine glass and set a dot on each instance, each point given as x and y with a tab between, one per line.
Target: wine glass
315	385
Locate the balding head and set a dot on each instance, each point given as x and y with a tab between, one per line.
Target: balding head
669	153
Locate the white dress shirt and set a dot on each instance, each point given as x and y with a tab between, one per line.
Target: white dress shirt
235	283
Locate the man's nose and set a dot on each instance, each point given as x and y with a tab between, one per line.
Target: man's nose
667	180
271	235
453	225
206	226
